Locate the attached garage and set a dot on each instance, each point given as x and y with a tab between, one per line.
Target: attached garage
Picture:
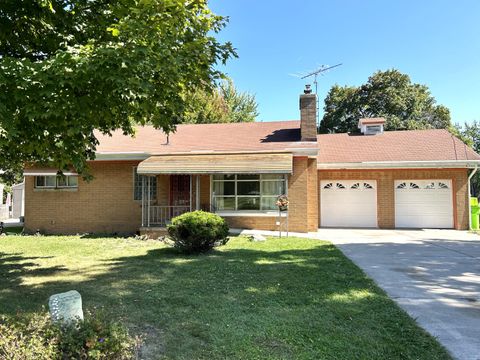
348	203
424	204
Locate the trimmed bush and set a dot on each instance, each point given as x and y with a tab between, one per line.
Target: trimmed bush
198	231
36	337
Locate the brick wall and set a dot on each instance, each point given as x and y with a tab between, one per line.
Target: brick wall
308	117
104	205
385	189
302	194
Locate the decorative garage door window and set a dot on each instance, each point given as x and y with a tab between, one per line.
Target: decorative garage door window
423	185
354	186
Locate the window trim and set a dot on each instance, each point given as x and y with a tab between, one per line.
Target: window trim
56	186
134	172
246	212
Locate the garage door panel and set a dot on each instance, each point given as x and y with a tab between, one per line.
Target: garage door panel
348	203
423	203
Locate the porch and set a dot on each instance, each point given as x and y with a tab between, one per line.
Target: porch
167	196
241	187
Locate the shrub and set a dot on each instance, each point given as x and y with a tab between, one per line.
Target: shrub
28	337
198	231
36	337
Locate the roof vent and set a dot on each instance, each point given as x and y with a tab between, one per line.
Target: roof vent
371	126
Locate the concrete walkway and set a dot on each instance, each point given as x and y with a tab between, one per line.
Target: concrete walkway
434	275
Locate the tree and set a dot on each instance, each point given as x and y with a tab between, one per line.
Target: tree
70	67
389	94
470	134
221	105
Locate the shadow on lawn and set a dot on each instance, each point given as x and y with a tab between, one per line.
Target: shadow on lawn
250	299
220	278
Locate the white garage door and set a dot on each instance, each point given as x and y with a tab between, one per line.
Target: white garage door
351	203
423	204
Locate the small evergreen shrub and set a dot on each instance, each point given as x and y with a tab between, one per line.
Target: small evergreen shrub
36	337
198	231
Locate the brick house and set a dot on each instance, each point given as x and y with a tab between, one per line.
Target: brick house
411	179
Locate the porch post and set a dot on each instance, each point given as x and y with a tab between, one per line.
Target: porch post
191	188
148	201
143	201
197	192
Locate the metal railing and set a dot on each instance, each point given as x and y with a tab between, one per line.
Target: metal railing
162	215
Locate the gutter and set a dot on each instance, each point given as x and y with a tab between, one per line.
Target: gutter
469	164
469	196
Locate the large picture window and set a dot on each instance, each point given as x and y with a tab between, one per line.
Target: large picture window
137	186
247	192
56	182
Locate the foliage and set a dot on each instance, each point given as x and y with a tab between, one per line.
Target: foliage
470	135
389	94
224	104
28	337
97	337
35	336
69	68
198	231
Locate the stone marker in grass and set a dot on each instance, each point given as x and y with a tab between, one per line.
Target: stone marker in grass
66	307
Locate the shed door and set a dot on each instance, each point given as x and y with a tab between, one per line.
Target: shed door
423	204
348	203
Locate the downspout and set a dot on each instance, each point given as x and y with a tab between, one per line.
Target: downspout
469	196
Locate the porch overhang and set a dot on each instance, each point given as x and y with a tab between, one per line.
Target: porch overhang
225	163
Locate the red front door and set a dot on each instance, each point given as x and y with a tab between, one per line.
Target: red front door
180	190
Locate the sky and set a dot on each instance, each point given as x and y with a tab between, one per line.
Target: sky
435	42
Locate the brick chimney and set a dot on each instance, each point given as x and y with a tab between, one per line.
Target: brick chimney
308	115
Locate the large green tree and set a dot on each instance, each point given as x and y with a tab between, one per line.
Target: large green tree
223	104
389	94
470	134
69	67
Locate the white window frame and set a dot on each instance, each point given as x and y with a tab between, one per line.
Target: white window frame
237	212
153	186
56	186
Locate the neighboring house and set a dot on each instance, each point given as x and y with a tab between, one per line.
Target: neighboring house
385	180
18	204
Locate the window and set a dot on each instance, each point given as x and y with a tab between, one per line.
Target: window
414	186
137	186
247	192
56	182
402	186
367	186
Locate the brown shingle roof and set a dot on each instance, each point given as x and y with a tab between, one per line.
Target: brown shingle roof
259	136
378	120
415	145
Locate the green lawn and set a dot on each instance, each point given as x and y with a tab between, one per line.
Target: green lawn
280	299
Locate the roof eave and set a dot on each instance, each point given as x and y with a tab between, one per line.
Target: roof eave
442	164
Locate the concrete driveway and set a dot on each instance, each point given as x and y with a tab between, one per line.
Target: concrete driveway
434	275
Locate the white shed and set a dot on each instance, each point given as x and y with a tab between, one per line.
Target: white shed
18	200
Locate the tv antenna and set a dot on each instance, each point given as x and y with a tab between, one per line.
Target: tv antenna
315	74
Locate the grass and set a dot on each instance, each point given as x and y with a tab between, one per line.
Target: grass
280	299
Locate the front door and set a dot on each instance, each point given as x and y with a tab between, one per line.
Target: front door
180	192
